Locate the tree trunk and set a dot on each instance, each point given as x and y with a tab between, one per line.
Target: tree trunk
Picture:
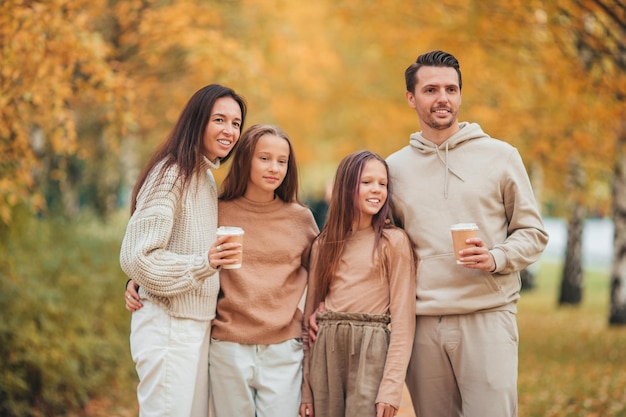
618	275
527	277
572	277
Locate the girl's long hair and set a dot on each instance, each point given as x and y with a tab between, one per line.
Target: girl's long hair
236	181
343	214
183	146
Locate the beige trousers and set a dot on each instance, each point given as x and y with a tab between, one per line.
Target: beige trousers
464	365
347	363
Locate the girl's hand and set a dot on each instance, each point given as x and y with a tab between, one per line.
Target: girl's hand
306	410
385	410
133	300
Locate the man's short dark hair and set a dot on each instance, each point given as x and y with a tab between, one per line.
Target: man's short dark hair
431	59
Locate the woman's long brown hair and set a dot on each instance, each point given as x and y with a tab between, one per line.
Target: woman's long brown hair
183	146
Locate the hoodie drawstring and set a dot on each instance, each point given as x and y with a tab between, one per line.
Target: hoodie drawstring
448	170
467	131
445	187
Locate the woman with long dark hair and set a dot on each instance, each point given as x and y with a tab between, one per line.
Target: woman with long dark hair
169	251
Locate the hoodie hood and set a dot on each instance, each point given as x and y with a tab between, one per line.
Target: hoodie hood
467	131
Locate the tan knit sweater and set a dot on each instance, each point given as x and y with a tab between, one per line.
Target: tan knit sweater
359	288
165	249
258	303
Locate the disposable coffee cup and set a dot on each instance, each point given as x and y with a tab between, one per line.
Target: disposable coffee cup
236	235
460	233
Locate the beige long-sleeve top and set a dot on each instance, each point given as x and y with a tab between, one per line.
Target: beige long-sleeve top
258	303
359	287
165	248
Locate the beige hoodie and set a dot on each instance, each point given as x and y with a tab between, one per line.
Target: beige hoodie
469	178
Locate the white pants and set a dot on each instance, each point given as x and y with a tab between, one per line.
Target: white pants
256	380
171	358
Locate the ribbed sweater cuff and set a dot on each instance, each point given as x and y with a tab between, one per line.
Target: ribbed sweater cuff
500	258
200	270
199	304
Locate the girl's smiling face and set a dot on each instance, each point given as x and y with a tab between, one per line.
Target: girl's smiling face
268	167
372	191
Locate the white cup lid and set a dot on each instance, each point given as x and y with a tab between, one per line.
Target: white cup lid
230	230
464	226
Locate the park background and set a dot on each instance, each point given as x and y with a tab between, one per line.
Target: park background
89	88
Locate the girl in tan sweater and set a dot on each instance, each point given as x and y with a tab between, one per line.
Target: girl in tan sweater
363	273
256	347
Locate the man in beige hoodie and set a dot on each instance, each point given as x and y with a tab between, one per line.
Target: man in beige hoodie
465	352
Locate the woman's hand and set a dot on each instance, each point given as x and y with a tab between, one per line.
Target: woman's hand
133	300
222	249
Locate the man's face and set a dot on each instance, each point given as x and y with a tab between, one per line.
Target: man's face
436	97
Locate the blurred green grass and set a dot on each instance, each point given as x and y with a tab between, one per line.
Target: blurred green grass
572	363
64	330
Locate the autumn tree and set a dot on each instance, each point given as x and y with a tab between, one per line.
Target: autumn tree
51	61
601	42
84	85
581	144
556	115
594	32
90	87
572	273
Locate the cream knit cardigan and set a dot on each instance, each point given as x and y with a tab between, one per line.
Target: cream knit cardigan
165	248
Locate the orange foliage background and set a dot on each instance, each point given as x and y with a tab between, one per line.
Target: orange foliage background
102	82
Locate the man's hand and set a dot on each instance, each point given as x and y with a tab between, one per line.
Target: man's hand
478	257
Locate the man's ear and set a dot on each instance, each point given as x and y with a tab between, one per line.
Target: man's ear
410	99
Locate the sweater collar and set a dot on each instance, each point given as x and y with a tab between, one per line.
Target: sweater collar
258	207
359	233
208	164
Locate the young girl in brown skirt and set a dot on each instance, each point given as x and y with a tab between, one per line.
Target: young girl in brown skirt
363	276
